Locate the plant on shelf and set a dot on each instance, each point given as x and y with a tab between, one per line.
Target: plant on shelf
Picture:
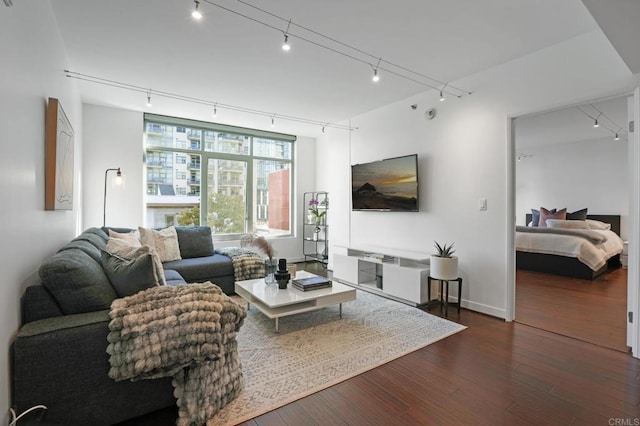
315	213
444	265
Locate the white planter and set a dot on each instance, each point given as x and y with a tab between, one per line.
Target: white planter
444	268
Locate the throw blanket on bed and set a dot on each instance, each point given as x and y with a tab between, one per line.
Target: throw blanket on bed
247	265
590	235
187	332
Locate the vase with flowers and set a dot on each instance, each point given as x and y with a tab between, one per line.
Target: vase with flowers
315	214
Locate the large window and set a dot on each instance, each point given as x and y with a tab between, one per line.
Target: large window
233	179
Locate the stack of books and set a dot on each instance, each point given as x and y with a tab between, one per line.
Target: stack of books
311	283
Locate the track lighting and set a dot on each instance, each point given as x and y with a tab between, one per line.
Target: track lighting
215	111
596	124
273	123
376	77
617	137
322	129
201	101
196	12
441	97
285	45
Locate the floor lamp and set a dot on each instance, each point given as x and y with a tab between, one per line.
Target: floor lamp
117	181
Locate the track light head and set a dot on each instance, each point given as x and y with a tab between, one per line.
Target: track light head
215	112
441	96
285	45
149	101
596	124
273	122
376	77
196	12
617	137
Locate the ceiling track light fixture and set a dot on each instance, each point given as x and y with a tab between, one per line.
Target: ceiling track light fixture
215	110
442	98
207	103
273	122
376	77
149	105
346	50
196	12
597	122
285	45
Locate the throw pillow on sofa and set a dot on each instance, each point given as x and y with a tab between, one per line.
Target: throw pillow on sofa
127	245
123	249
194	241
131	238
129	276
164	241
77	282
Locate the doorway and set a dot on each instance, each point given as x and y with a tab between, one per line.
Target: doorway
574	158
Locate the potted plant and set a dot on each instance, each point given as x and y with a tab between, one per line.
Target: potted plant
444	265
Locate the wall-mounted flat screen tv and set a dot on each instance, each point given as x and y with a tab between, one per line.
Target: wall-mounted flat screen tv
386	185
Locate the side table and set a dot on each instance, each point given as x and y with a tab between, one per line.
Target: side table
444	293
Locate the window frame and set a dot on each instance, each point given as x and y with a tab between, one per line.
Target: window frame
250	158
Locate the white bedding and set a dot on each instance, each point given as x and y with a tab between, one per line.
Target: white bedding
594	256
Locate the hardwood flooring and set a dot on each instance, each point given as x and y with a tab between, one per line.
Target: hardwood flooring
593	311
492	373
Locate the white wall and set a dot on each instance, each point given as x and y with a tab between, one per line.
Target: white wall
463	157
591	174
113	138
33	60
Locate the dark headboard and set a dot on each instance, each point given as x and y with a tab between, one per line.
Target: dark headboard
613	219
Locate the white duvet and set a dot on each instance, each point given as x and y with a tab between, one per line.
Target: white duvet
594	256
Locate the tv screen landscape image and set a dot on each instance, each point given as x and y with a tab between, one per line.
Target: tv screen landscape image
386	185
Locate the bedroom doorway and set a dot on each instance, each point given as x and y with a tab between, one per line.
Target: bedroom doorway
574	158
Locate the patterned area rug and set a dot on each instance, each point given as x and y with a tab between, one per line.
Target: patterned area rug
317	349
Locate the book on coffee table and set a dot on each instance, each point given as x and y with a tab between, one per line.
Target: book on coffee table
311	283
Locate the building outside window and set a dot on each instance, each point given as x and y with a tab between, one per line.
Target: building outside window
235	180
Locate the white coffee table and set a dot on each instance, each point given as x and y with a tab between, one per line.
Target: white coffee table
276	303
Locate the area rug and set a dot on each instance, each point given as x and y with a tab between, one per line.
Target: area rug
315	350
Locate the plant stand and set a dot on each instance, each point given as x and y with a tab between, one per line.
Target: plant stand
443	301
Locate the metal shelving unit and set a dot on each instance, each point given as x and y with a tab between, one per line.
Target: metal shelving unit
315	233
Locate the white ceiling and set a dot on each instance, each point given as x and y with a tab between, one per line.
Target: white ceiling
233	60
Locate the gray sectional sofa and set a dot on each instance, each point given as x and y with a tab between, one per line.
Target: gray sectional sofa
59	355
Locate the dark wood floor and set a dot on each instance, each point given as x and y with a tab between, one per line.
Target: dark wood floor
492	373
593	311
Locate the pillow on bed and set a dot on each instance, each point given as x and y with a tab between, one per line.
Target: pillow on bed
567	224
577	215
547	214
535	216
596	224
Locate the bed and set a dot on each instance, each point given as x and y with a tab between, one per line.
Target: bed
568	254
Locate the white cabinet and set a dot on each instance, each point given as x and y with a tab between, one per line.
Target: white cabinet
398	274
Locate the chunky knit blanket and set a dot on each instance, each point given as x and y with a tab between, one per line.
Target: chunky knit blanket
247	265
187	332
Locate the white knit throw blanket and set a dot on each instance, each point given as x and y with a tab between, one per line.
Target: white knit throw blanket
187	332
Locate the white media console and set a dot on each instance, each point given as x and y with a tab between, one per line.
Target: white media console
395	273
